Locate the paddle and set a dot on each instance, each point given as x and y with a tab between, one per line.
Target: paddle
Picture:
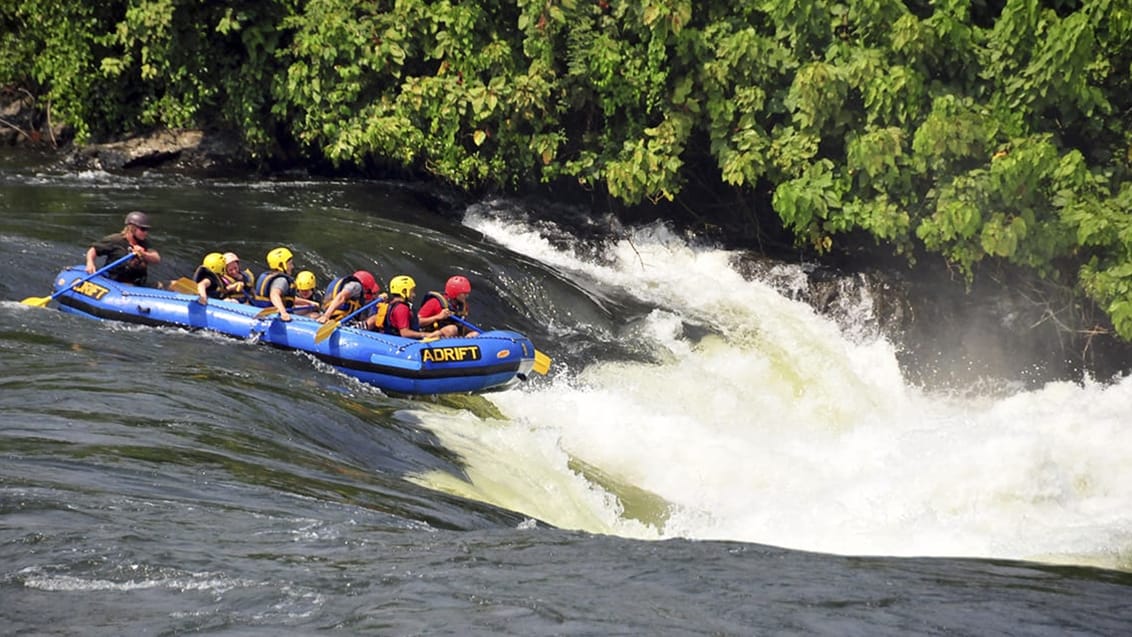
542	361
183	285
325	331
266	312
296	309
42	301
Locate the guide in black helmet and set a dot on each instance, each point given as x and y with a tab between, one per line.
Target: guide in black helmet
134	238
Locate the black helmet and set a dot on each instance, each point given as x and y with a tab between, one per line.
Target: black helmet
139	219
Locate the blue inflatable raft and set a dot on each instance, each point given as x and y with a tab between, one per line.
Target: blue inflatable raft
491	361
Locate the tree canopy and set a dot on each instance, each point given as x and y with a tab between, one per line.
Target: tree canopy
993	130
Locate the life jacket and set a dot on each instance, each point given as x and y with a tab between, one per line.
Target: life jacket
333	288
262	296
454	306
385	312
244	295
215	289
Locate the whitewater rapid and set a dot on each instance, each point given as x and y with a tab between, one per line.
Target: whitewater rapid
770	423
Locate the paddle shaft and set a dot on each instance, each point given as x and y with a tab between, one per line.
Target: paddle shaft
465	323
325	331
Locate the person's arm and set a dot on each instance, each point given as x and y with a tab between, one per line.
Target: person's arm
148	255
141	251
409	332
91	253
202	291
338	300
307	307
236	287
276	296
448	331
432	306
305	302
400	320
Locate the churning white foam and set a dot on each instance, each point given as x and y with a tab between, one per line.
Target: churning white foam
779	428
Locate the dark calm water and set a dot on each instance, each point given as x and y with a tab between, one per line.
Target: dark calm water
721	467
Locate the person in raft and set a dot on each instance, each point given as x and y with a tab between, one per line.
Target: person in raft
238	282
275	287
214	281
134	237
208	277
437	309
396	316
347	294
307	297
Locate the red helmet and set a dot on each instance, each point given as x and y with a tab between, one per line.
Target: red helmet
456	286
369	284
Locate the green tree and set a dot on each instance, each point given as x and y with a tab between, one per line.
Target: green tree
981	132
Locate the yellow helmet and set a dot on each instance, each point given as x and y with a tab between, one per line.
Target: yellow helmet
305	280
402	286
214	261
277	259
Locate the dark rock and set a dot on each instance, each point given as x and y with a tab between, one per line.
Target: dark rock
193	151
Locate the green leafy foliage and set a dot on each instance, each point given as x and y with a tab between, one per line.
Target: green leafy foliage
1104	231
977	132
54	58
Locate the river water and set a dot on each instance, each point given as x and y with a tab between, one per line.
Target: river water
706	456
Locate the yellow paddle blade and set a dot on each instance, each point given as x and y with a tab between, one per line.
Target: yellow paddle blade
183	285
266	312
325	331
542	363
36	301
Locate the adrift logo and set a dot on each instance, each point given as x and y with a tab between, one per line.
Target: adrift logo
93	290
451	354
